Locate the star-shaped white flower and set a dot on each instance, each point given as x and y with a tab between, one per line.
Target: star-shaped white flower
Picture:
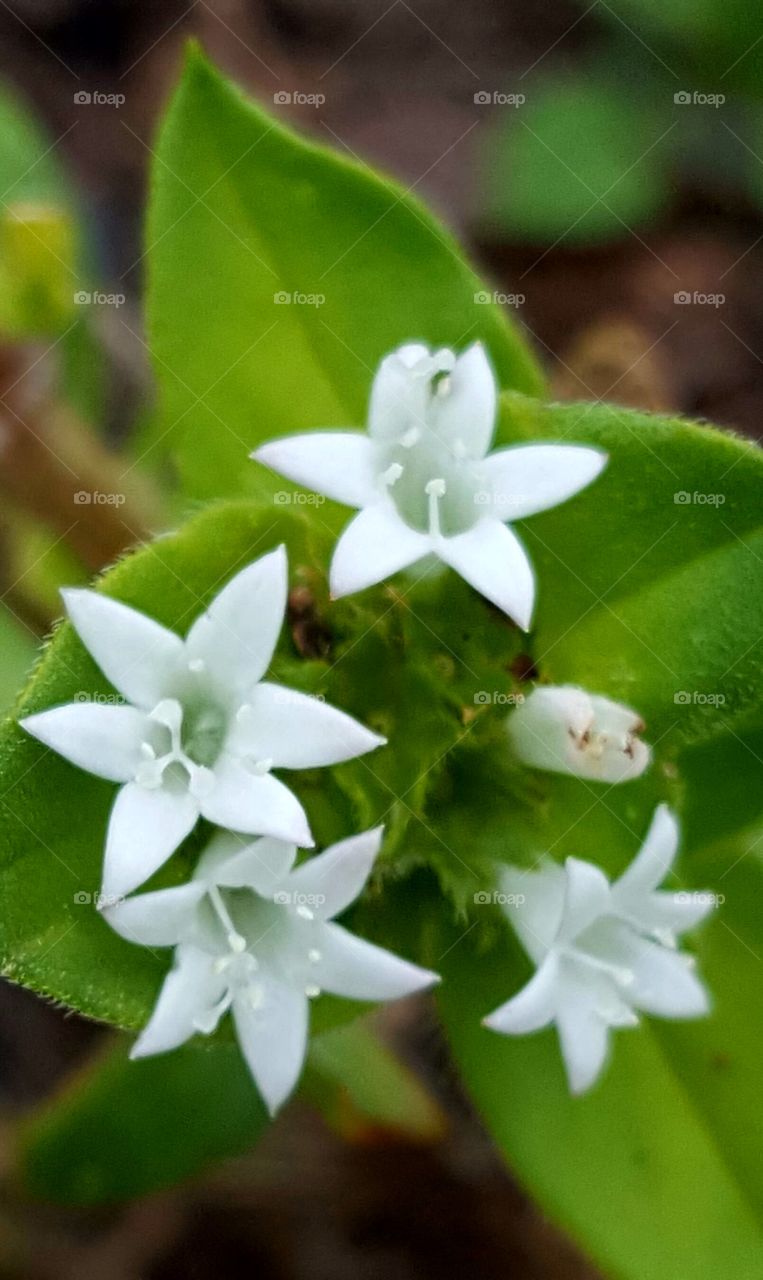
423	481
567	730
201	730
603	952
258	938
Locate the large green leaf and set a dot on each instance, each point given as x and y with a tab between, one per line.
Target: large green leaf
650	580
245	213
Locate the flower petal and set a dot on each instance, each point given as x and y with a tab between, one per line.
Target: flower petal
400	392
335	878
533	1007
375	544
238	862
675	913
273	1039
654	860
586	898
145	828
339	464
160	919
661	981
528	478
539	898
583	1037
190	989
350	966
493	561
467	413
296	731
236	636
255	805
134	652
104	740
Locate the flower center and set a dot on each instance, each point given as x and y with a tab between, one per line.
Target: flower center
186	742
434	483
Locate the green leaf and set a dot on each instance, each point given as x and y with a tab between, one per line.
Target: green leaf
126	1128
644	1171
359	1083
578	162
244	212
123	1129
649	581
17	651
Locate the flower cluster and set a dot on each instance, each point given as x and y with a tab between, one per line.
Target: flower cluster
201	731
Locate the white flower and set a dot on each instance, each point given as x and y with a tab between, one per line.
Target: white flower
258	938
567	730
201	731
424	483
603	951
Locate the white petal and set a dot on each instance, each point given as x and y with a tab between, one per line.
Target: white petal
586	898
104	740
528	478
160	919
399	394
584	1040
273	1039
675	913
296	731
350	966
564	729
654	860
255	805
493	561
467	413
663	981
237	862
145	828
375	544
339	464
190	989
134	652
237	635
533	1007
539	903
335	878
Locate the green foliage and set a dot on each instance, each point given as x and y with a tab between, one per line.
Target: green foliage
244	213
575	162
122	1129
